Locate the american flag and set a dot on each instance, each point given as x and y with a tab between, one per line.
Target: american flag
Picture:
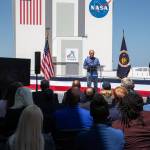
31	12
47	64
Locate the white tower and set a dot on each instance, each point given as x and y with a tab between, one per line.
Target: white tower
77	26
29	28
74	26
98	28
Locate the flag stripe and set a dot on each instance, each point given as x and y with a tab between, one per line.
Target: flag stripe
23	12
51	63
33	11
27	12
40	12
37	12
46	64
45	70
20	11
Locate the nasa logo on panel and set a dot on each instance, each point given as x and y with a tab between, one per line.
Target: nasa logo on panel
99	8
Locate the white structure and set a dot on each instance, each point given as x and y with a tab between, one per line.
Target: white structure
72	26
73	30
99	35
29	28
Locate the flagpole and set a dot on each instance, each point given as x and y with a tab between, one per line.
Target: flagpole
149	69
36	82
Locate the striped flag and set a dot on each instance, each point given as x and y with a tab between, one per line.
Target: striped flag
31	12
47	64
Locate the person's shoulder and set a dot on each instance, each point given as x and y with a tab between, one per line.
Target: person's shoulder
84	110
117	132
48	91
83	134
117	124
60	111
48	137
48	142
87	58
146	107
145	115
96	58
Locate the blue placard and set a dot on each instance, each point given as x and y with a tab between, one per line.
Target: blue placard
98	8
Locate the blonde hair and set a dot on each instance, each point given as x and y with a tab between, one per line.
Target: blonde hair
28	135
120	92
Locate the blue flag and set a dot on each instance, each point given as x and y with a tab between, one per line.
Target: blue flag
124	61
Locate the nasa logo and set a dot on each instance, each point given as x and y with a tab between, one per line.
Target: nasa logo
99	8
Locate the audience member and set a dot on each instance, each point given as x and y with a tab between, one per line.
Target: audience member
3	106
89	93
45	100
119	93
128	84
28	135
23	98
75	83
146	106
134	122
72	116
8	100
11	91
100	136
107	92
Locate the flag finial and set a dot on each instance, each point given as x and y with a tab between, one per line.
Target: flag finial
123	32
47	34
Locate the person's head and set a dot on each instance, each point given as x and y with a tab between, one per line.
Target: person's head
73	96
29	130
44	85
23	98
89	92
11	91
99	109
106	85
91	53
76	83
119	93
127	83
130	107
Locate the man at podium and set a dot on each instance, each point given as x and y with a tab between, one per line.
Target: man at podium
92	64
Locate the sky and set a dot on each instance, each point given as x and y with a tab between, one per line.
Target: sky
131	15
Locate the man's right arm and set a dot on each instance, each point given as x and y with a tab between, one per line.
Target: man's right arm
85	64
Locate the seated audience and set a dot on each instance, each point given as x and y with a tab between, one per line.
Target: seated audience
45	100
28	135
3	106
23	98
8	99
107	92
72	116
134	122
119	93
89	93
146	106
100	136
75	83
128	84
